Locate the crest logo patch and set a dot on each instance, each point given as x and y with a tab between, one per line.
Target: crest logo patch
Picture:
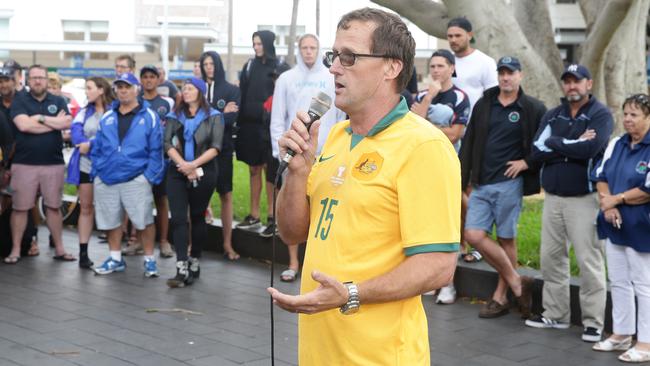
368	166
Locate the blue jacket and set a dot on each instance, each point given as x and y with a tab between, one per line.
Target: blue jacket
140	152
566	159
624	168
78	137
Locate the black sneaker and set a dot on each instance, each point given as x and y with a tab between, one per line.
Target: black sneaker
591	334
194	268
249	223
270	229
85	262
540	321
183	276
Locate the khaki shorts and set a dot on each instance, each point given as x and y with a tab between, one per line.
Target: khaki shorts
28	180
134	197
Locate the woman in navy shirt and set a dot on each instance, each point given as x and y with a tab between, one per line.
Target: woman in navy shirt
623	184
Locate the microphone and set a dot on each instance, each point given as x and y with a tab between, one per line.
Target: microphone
317	108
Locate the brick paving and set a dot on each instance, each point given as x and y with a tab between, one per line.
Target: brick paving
52	313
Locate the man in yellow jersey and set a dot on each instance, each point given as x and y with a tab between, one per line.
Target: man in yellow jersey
379	208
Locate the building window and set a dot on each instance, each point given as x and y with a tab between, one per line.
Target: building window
79	30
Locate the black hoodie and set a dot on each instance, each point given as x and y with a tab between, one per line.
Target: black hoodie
257	80
221	94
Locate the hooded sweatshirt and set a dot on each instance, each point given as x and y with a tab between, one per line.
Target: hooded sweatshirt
293	92
257	78
220	92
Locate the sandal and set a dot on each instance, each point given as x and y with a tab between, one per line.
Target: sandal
634	355
610	344
11	260
288	275
231	256
473	256
33	250
65	257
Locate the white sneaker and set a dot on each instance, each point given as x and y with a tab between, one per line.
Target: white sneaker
447	295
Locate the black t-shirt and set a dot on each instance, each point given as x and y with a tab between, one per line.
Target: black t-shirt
124	121
504	141
42	148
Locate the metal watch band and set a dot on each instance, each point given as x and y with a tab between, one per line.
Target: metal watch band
352	306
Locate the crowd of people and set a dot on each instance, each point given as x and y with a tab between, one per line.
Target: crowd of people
141	143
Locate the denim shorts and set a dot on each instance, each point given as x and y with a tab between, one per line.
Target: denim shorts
496	204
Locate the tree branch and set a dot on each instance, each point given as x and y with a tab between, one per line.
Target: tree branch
429	16
603	30
534	19
590	10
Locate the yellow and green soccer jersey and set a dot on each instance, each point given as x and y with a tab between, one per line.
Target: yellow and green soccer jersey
374	200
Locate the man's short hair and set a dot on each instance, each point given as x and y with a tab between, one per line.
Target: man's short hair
36	66
129	60
391	37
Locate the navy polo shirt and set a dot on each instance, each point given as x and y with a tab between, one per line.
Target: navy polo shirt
624	168
160	106
38	148
503	143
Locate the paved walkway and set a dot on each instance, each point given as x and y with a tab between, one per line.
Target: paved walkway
52	314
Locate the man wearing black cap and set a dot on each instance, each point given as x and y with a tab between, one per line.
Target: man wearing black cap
448	108
149	78
17	70
496	162
570	139
444	104
476	70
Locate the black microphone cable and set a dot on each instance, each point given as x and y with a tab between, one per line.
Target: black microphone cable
273	241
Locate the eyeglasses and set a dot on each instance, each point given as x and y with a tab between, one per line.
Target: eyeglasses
346	58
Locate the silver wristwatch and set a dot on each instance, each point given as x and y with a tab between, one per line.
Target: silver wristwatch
352	306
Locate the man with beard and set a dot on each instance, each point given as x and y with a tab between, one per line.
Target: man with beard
225	98
475	69
38	163
571	139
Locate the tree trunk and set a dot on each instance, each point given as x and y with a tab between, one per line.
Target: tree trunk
431	17
291	51
625	61
534	19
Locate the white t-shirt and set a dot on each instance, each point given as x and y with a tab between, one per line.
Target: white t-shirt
476	73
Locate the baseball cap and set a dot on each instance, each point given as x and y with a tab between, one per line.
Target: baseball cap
578	71
198	83
510	63
448	56
6	73
460	22
12	64
149	68
128	78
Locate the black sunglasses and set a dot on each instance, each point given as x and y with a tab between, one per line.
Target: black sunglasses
346	58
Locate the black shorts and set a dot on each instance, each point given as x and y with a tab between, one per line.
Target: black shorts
84	178
272	165
253	143
224	177
160	190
